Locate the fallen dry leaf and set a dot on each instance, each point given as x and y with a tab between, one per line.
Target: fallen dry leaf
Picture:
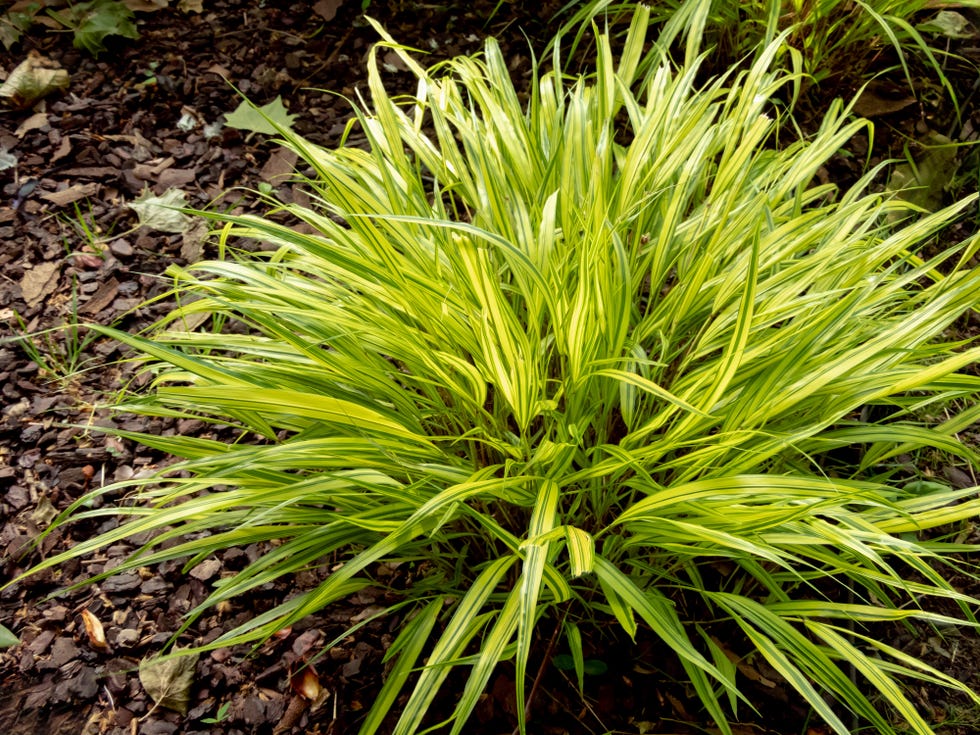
94	630
280	166
267	119
924	184
306	641
31	80
169	681
44	512
327	9
877	100
39	281
162	212
306	682
221	71
192	242
396	62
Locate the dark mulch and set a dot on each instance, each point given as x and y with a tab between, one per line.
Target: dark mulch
134	119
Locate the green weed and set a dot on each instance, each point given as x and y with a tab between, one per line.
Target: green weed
837	39
61	352
220	716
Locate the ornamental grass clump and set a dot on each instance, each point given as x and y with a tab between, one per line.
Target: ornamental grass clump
846	41
574	358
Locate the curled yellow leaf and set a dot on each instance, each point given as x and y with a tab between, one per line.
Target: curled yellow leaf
95	631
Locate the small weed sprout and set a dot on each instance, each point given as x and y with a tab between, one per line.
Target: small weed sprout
61	352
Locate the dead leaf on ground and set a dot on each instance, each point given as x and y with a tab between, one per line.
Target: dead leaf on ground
7	638
280	165
168	681
94	630
44	512
32	79
950	24
306	682
395	62
923	184
141	146
221	71
162	212
192	242
39	281
879	99
87	261
327	9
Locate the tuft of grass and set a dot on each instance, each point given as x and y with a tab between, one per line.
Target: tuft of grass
838	40
62	352
577	358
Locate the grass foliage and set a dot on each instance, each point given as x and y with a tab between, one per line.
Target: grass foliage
573	359
838	39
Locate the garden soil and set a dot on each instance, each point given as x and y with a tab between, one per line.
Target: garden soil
142	117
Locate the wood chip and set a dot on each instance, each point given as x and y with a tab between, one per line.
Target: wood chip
102	298
91	172
175	178
35	122
64	148
152	169
72	194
